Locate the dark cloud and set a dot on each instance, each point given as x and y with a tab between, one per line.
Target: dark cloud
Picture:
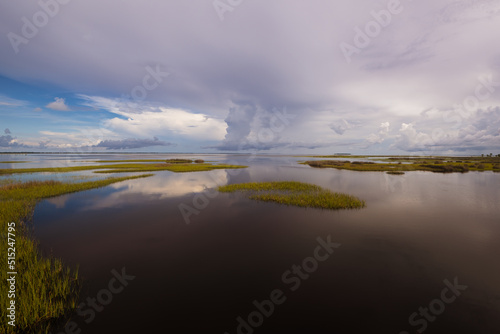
265	55
7	141
43	144
7	131
480	132
131	143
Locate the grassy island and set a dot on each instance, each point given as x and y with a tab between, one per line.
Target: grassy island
296	194
398	165
173	165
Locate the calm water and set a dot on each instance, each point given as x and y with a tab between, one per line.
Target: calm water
417	231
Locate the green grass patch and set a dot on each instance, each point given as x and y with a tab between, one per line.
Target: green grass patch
296	194
176	168
13	162
430	165
178	161
124	168
136	160
46	290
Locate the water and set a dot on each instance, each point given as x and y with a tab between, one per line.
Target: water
418	234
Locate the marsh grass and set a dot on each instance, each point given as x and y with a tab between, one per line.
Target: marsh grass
395	172
437	166
296	194
178	161
46	290
135	160
176	168
124	168
13	162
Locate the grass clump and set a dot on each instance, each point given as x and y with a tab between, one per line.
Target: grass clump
178	161
176	168
395	172
135	160
296	194
46	290
13	162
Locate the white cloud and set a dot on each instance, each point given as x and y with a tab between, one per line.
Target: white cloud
59	104
152	119
340	126
381	135
480	132
10	102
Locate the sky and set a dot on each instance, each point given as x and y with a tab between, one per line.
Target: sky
263	76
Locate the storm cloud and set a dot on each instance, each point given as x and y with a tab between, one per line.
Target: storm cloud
265	56
130	143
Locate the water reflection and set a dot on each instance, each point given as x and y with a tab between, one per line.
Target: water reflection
417	230
163	185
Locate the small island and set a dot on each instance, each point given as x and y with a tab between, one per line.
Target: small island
296	194
130	166
398	165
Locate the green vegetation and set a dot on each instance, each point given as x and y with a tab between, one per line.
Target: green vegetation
296	194
178	161
431	164
124	168
13	162
136	160
176	168
46	290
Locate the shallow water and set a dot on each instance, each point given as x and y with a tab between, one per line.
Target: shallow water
417	231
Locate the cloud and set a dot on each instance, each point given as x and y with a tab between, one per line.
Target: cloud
59	104
148	118
340	126
43	144
37	109
481	131
7	141
381	135
10	102
131	143
224	89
